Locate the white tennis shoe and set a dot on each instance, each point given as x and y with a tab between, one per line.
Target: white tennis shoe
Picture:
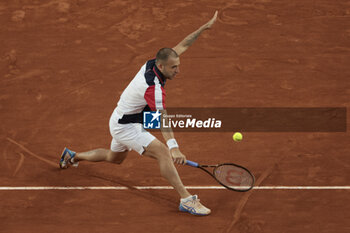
193	206
67	158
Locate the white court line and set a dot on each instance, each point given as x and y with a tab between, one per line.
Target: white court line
24	188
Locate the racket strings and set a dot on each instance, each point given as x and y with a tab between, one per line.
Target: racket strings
234	177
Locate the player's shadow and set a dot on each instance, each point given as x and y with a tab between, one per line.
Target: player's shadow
151	195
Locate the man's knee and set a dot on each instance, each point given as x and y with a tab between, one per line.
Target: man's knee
116	157
157	150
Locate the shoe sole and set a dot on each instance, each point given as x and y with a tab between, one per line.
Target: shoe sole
63	156
182	209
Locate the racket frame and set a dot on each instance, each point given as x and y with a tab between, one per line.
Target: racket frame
202	167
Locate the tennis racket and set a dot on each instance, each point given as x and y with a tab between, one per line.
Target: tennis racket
231	176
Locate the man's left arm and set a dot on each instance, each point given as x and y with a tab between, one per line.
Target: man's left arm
188	41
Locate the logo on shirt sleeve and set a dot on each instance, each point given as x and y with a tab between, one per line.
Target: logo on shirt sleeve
151	120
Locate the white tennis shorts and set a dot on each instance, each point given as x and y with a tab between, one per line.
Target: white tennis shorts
128	136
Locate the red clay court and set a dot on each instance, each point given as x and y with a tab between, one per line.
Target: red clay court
64	64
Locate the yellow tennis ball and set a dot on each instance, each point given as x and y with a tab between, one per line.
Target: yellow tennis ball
237	137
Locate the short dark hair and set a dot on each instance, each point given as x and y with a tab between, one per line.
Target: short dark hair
164	54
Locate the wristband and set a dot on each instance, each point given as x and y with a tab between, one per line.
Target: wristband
172	144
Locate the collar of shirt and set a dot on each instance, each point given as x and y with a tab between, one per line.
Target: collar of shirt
159	74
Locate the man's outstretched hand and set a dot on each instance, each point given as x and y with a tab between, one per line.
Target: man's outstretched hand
188	41
211	22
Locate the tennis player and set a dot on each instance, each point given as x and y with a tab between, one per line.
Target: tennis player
146	93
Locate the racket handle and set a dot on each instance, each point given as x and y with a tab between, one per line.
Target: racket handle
191	163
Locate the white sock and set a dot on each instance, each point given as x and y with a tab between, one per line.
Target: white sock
186	199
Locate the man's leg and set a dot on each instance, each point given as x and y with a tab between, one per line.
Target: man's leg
160	152
100	155
70	158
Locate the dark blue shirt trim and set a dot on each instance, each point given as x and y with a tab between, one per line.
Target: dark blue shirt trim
151	68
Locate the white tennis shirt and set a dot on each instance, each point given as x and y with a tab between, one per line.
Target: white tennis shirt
146	89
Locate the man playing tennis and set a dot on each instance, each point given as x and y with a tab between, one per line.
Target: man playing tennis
146	93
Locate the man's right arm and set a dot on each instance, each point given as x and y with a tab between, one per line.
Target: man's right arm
175	152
